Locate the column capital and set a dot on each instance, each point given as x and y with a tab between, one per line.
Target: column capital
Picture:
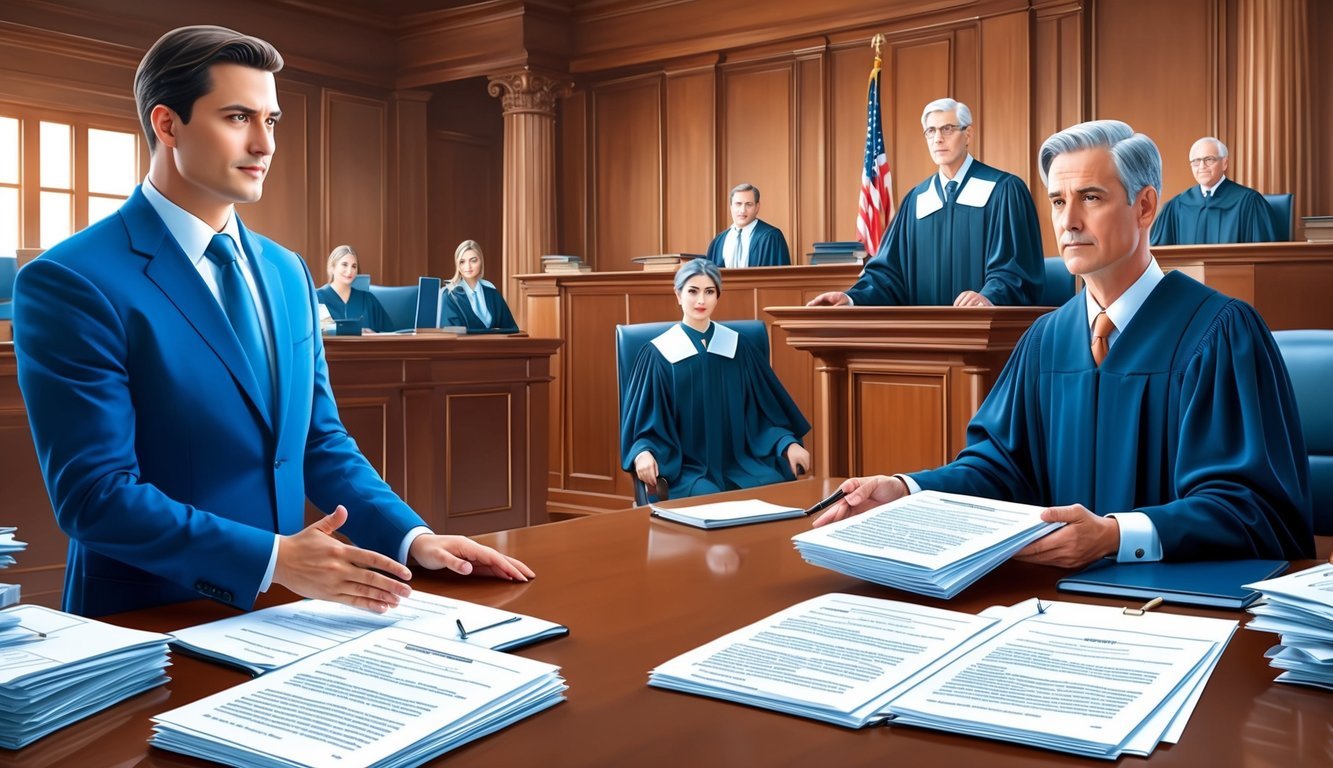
528	91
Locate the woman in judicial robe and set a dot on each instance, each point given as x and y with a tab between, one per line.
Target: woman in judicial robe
469	301
347	303
703	409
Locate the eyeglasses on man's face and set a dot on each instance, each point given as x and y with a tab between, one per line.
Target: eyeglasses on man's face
946	130
1207	161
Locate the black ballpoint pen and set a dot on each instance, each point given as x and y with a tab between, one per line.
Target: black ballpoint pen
826	502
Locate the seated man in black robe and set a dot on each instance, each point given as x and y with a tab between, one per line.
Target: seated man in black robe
1218	210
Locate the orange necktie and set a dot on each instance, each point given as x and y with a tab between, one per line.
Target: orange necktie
1101	337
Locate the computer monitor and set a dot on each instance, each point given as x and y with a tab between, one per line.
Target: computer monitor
428	302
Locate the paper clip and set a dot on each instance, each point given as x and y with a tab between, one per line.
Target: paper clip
1148	606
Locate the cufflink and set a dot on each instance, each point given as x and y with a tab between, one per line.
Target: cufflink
1138	553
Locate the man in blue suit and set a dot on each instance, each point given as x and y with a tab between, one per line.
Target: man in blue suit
175	379
749	241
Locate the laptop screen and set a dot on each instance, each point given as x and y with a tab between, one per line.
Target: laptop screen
428	302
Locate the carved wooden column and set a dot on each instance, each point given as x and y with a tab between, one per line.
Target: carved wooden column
1273	115
529	223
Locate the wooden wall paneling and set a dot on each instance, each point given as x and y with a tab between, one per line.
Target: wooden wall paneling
757	139
627	169
965	67
464	202
49	69
919	71
1176	44
572	166
355	166
691	152
1004	100
592	419
478	435
849	69
407	252
1321	63
41	567
1058	93
282	214
811	192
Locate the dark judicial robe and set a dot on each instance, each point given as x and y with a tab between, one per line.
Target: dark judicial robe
768	248
711	411
1190	420
361	304
987	240
456	309
1234	214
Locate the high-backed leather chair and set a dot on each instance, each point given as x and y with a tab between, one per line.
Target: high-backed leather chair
1309	358
630	340
9	266
1283	222
1059	284
399	302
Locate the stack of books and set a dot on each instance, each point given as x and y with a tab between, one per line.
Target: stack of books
837	252
65	668
1090	680
1318	229
1299	608
930	543
9	593
665	262
563	263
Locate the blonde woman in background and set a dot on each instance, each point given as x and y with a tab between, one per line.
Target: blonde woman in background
471	302
348	303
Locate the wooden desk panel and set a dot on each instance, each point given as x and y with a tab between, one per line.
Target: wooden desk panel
635	592
457	426
1289	283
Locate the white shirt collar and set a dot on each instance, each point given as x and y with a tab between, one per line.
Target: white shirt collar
189	231
1206	190
1123	309
959	177
748	229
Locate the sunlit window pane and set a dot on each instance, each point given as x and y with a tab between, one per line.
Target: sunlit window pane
9	220
56	155
111	162
57	223
101	207
9	150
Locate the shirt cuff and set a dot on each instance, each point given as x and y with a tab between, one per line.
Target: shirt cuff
850	301
411	537
912	487
272	566
1139	542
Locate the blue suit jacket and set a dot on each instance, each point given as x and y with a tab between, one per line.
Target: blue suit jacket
162	467
768	248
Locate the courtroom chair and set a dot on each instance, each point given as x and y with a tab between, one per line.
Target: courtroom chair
630	340
9	266
1309	358
1058	285
1283	222
399	302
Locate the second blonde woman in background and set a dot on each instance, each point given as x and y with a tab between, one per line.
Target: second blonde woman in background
469	301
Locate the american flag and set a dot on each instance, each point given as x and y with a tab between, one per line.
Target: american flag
876	206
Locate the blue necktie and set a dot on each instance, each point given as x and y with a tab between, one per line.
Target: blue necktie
950	191
241	311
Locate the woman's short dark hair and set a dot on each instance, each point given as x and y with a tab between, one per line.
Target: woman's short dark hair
174	72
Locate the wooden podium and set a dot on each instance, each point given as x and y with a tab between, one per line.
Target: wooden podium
896	386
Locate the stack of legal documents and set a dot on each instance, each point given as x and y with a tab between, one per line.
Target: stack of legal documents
1299	607
929	543
724	514
1089	680
391	697
9	593
69	668
263	640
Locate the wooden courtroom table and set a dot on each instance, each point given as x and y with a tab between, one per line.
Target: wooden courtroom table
457	426
636	591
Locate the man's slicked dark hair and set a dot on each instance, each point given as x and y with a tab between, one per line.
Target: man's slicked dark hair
174	72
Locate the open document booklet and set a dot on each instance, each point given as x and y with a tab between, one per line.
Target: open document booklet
270	638
392	697
724	514
1299	607
1089	680
930	543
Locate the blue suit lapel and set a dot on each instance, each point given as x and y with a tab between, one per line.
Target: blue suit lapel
171	271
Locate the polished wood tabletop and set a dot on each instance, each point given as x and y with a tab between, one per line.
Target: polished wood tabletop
636	591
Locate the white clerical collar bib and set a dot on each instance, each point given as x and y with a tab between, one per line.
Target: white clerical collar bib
975	193
675	344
